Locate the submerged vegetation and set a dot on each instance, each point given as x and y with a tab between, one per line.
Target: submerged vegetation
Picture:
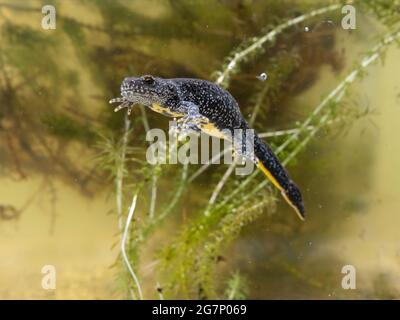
63	107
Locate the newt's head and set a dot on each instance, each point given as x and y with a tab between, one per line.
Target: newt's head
148	89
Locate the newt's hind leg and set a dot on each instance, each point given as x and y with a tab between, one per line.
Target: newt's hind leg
182	130
192	116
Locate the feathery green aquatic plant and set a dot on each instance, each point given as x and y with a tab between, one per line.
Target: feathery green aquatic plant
188	259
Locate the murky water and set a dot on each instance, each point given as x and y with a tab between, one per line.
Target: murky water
61	207
77	247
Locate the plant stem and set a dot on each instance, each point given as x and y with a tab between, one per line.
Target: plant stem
120	170
154	178
286	132
178	193
219	187
153	199
204	167
258	105
123	246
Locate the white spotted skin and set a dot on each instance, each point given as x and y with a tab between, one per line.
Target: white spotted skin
221	111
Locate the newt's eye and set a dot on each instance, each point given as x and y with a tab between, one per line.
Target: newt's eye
148	80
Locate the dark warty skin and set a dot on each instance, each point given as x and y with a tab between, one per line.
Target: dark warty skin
203	105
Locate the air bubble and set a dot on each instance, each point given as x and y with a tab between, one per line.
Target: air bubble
262	77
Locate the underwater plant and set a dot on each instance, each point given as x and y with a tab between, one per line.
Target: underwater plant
152	202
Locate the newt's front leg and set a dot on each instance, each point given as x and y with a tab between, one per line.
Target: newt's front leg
191	113
125	104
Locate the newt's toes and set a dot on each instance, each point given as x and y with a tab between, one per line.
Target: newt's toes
114	100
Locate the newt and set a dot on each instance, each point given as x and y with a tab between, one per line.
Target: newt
204	106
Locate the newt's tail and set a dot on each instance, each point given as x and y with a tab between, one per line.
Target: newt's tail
272	168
